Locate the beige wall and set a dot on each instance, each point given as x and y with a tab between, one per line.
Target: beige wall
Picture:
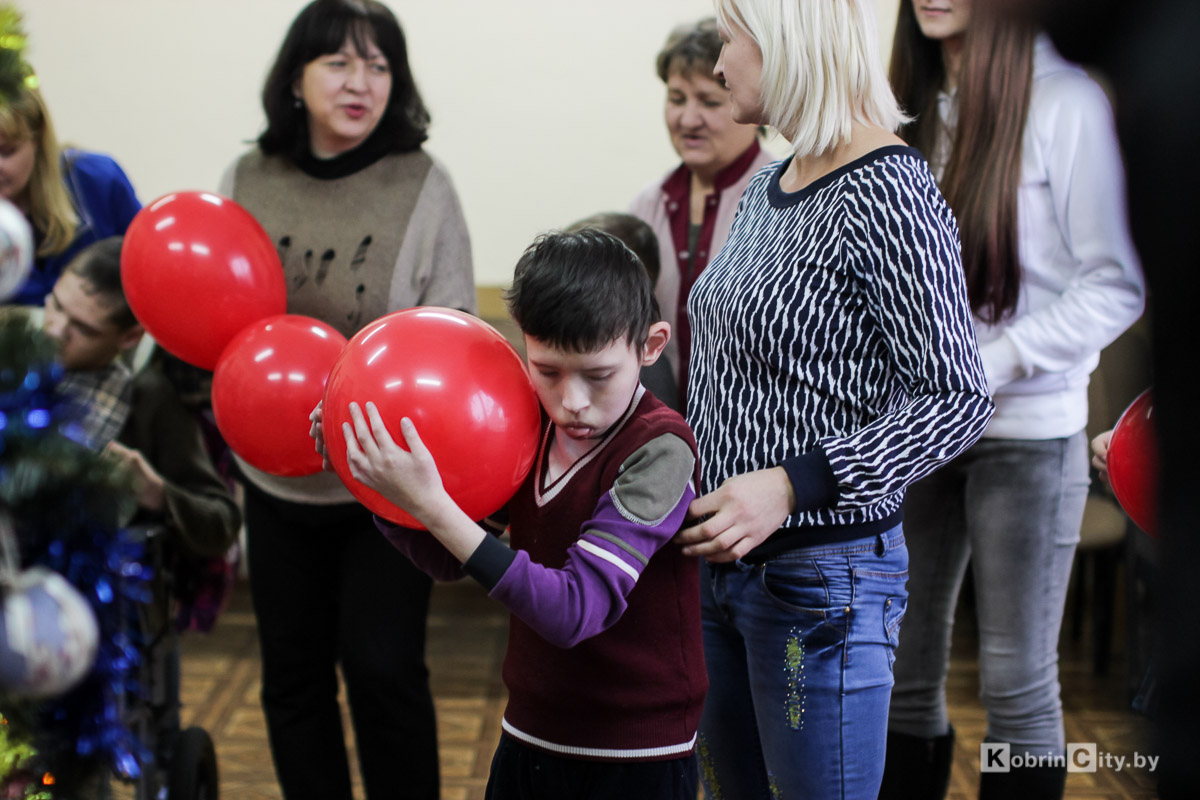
544	110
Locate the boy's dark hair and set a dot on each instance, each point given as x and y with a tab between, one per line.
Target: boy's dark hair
582	291
319	29
99	264
635	232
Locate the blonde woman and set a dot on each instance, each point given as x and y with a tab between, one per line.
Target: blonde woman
71	198
833	363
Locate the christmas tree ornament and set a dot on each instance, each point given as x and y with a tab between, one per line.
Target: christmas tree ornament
16	249
48	634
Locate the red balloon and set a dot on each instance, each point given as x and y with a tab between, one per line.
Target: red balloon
197	268
1133	463
466	391
266	383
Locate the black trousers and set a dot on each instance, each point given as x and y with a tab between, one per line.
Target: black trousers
328	589
520	772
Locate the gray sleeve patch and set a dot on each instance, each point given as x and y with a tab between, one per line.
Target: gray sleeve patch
653	479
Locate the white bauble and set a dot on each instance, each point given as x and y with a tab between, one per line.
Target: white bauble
16	249
48	634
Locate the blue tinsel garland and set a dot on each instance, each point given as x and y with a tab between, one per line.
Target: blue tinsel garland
87	725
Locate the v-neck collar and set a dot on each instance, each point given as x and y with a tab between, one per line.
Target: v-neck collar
543	491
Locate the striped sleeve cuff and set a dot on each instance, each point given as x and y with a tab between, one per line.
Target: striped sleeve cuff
812	480
489	562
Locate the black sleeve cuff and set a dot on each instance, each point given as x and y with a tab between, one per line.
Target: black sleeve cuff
489	562
812	480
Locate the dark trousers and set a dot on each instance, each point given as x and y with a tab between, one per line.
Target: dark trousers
328	589
520	772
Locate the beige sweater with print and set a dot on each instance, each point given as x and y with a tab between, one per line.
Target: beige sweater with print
387	237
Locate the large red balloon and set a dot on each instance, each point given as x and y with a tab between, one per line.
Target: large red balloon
464	387
197	268
1133	463
266	383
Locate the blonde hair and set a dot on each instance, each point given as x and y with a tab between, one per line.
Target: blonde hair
821	68
24	118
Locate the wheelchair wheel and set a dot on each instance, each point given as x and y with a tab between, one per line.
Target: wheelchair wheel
192	772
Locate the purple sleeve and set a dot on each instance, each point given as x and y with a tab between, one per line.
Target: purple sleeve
588	595
425	551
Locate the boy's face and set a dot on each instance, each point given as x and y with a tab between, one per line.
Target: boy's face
80	321
586	393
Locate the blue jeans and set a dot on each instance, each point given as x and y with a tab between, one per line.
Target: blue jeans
1012	508
799	652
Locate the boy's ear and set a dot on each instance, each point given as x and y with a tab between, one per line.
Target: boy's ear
656	340
131	337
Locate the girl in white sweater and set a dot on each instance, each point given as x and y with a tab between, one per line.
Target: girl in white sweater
1025	149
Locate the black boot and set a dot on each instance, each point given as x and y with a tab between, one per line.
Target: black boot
1024	783
917	768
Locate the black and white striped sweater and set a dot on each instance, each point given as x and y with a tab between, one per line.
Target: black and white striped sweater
832	336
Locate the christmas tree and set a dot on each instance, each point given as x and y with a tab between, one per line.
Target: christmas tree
71	578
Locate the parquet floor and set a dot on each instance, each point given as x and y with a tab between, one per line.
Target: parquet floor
466	645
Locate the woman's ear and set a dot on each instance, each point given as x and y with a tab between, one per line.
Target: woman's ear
656	340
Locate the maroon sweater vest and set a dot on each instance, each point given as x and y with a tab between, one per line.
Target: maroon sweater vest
635	691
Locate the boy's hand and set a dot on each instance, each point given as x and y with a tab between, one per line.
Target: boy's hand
317	432
148	484
738	516
1100	454
407	478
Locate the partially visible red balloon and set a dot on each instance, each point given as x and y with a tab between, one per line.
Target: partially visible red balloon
266	383
197	268
1133	463
463	386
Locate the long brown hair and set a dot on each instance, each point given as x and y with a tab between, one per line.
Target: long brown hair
982	174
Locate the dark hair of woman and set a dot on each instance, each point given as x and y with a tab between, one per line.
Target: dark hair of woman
982	173
322	28
690	49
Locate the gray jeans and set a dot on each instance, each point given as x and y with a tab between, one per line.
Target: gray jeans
1013	509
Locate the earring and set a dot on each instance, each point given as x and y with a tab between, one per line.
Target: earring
297	103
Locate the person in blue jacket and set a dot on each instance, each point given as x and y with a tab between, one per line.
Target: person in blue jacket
71	198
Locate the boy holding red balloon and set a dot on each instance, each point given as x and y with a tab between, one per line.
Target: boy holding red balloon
605	667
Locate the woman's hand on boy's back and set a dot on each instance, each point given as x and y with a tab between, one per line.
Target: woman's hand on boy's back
735	518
